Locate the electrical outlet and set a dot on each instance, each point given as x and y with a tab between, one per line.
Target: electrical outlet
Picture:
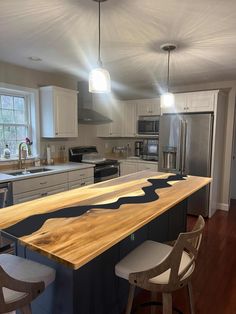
132	237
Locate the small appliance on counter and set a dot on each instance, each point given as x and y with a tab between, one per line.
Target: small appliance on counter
104	169
150	149
138	148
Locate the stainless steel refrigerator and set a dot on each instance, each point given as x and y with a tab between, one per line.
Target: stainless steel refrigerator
185	147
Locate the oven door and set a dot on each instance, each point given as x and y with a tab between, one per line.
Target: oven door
106	173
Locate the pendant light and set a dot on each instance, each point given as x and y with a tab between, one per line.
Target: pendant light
168	99
99	78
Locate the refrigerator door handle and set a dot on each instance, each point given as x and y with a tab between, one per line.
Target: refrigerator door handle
183	164
180	147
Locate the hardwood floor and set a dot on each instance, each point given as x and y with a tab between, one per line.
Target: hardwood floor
214	280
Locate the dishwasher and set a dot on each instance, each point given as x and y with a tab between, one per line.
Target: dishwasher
7	245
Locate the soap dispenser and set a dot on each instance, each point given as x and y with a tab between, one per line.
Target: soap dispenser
6	152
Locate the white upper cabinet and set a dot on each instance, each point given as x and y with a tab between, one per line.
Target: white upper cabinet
202	101
59	112
148	107
193	102
129	121
112	109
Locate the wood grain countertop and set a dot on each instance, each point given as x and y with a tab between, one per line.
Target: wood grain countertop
75	239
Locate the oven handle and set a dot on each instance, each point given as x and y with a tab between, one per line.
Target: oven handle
107	167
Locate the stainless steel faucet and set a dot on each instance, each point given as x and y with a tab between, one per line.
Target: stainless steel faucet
20	164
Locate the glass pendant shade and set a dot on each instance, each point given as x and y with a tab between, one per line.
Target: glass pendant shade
99	81
167	100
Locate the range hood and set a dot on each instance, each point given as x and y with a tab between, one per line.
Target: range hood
87	115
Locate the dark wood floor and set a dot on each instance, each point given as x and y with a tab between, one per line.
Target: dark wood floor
214	280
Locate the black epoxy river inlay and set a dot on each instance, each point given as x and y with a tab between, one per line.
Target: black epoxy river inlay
35	222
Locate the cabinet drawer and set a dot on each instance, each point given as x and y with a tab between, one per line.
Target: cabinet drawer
147	166
80	174
32	195
79	183
26	185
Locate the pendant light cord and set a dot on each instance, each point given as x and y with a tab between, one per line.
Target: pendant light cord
99	34
168	71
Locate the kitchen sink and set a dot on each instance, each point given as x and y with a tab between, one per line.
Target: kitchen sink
27	171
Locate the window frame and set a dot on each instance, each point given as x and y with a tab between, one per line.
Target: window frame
31	96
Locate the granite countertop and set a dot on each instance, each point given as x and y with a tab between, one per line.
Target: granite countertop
76	226
6	177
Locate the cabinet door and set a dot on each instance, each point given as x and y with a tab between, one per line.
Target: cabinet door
128	167
201	101
180	104
130	119
148	107
113	109
35	194
147	166
80	174
79	183
117	114
66	115
32	184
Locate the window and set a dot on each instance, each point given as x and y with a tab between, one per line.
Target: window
14	121
19	118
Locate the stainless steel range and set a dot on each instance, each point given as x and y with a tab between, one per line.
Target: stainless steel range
104	169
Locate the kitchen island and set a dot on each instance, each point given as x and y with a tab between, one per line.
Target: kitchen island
84	232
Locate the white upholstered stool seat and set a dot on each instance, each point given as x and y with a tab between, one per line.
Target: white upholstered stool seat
148	255
26	271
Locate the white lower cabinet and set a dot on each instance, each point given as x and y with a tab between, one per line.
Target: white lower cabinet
147	166
79	178
32	195
128	167
32	188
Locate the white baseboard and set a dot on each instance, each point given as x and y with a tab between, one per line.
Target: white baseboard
222	206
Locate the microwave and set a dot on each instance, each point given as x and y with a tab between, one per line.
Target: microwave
148	125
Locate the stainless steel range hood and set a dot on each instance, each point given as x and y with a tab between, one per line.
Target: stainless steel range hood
87	115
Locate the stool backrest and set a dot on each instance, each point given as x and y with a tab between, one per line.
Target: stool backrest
186	243
30	290
3	197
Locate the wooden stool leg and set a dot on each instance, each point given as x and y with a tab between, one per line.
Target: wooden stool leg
190	295
26	309
167	303
153	298
130	299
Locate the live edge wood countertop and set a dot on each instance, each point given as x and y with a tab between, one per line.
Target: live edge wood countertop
76	240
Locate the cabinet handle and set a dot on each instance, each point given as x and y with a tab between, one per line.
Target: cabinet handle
44	194
42	183
83	183
82	175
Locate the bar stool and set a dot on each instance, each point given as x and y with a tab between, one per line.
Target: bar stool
6	245
21	281
159	267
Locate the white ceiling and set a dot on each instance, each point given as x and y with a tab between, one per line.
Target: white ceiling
64	34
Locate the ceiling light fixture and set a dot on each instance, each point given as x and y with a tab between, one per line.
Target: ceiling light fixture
99	78
168	99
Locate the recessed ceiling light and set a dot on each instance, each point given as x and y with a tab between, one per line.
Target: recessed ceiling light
36	59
